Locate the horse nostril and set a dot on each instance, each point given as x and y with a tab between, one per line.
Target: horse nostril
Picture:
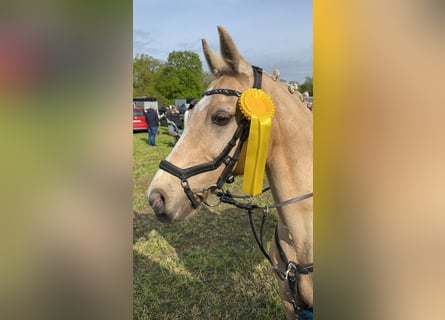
156	201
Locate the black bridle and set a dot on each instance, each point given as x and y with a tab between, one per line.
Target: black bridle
293	270
240	135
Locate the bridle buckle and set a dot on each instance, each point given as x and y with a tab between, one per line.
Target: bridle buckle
291	272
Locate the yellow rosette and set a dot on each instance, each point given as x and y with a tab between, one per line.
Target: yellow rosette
256	105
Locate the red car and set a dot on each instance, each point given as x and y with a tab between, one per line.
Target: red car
139	123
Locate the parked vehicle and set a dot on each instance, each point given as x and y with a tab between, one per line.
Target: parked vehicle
145	102
139	123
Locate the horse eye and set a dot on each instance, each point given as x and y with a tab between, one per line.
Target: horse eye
221	118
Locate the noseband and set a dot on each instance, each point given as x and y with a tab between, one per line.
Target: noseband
241	134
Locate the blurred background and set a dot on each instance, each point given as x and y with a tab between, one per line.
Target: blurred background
66	159
378	119
66	167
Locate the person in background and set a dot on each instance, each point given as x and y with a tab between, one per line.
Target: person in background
167	112
174	115
152	119
187	113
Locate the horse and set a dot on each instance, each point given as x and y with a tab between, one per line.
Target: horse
212	149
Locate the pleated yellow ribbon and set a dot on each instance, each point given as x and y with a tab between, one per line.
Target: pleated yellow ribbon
259	108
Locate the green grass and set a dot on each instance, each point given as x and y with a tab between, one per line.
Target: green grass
207	267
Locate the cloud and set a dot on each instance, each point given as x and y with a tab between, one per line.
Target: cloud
144	42
284	42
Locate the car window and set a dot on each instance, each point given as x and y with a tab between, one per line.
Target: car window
137	113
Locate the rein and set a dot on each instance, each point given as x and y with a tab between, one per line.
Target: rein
229	198
293	270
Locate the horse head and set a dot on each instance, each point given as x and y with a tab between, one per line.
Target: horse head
212	124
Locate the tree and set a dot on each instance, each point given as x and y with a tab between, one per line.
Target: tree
207	77
306	86
181	76
145	69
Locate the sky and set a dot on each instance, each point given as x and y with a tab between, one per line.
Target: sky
269	34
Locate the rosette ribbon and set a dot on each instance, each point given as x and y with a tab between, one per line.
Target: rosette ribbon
257	106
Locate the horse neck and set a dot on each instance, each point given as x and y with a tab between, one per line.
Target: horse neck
289	167
289	162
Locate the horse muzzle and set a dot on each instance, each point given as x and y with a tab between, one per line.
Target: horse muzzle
159	203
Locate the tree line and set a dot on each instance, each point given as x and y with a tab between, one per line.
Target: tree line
181	76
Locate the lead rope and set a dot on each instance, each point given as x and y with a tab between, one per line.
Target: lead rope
293	270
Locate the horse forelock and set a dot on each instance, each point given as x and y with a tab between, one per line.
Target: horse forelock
203	103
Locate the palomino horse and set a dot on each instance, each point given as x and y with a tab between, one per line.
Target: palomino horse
209	152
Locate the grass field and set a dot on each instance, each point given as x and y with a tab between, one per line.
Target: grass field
207	267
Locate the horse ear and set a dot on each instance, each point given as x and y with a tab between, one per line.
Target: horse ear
230	53
214	61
